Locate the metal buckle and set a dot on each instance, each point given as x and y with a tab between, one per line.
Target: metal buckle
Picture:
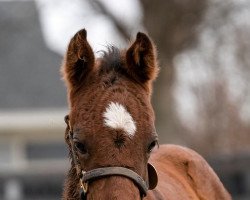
84	185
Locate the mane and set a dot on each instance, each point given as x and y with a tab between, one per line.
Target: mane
111	60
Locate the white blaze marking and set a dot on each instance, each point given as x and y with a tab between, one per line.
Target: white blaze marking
117	117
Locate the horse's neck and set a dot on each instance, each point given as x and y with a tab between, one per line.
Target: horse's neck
71	186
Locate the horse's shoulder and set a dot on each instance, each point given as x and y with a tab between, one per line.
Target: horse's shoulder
177	154
190	167
177	150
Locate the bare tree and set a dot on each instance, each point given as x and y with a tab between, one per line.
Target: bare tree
173	26
220	127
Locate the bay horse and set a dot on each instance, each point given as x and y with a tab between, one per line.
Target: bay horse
111	134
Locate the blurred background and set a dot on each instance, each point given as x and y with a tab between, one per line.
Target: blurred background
201	97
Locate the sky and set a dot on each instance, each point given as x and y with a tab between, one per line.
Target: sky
61	19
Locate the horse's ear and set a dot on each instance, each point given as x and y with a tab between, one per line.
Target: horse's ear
79	60
141	59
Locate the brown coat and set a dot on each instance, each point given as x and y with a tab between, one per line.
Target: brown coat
184	174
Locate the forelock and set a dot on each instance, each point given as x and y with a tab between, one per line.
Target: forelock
111	59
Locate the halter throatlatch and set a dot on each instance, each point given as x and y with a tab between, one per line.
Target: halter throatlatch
98	173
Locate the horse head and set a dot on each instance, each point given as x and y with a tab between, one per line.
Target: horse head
111	120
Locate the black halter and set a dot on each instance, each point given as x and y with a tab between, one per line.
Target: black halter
114	171
98	173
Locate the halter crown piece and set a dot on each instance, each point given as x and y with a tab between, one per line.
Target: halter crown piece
98	173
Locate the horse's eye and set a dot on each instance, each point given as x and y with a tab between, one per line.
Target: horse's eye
80	147
152	146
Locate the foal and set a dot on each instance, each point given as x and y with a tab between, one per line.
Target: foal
111	132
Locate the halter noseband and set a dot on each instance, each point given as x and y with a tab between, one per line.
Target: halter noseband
113	171
98	173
